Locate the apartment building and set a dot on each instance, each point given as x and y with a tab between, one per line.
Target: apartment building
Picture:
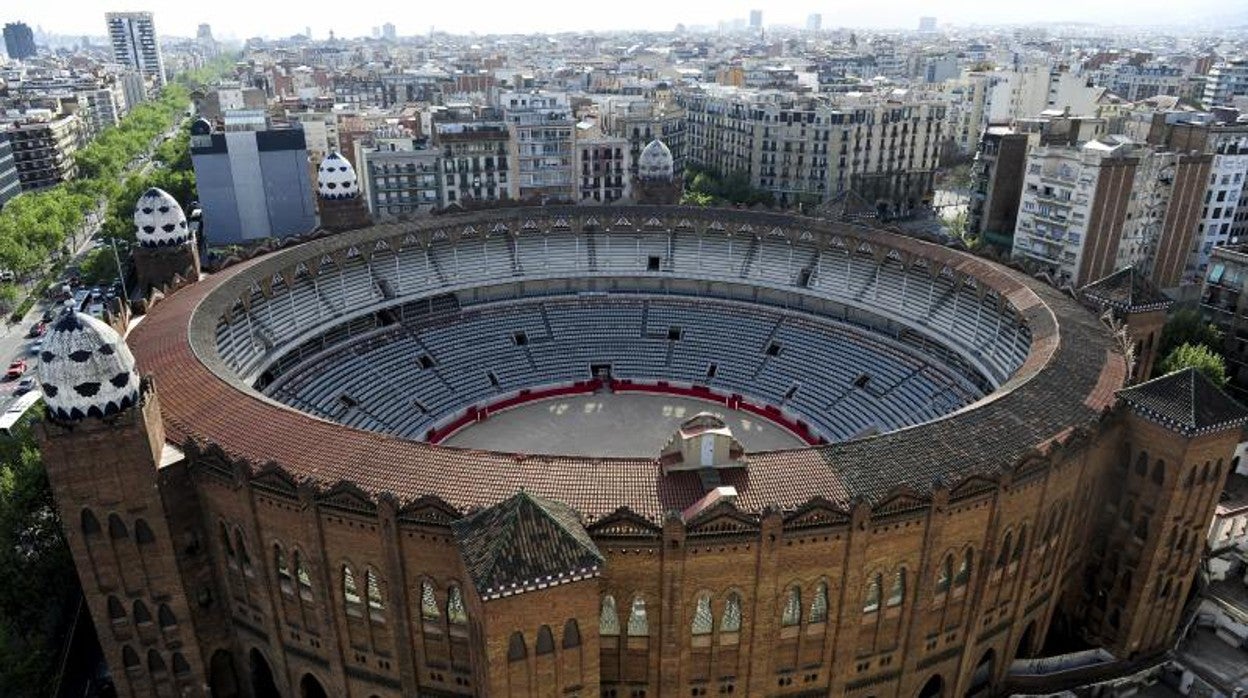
1224	211
885	147
43	149
99	109
1226	81
400	175
542	144
642	121
603	166
997	185
1089	209
135	43
10	186
475	161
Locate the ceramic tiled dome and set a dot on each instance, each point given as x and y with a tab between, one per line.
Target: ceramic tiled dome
335	178
86	369
655	162
159	221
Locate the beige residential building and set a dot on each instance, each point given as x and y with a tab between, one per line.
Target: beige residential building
805	150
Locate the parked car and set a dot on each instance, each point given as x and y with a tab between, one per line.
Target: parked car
36	347
37	329
27	385
16	369
48	316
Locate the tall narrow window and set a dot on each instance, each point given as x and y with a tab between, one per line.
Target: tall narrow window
116	528
155	663
283	573
1022	543
164	615
964	569
545	640
455	611
608	618
703	620
143	532
129	658
819	604
429	602
638	625
571	634
225	542
243	558
350	593
897	592
516	650
871	603
90	524
141	614
116	611
792	614
1003	555
376	600
944	576
731	622
305	579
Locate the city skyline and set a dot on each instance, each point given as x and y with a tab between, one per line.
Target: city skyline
233	18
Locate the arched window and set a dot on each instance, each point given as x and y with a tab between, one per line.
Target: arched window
1128	511
116	529
1159	472
304	579
703	619
116	611
243	558
155	664
545	641
731	620
1190	478
165	616
872	602
1165	590
1204	473
143	532
1217	470
141	614
944	575
608	618
283	573
350	593
129	658
1141	464
1022	543
1141	527
1003	555
376	601
819	604
225	542
516	650
90	524
180	666
571	634
897	592
455	611
1173	539
429	603
964	570
638	625
792	614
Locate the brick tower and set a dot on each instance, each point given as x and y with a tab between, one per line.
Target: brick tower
1133	300
166	246
338	195
1180	432
110	470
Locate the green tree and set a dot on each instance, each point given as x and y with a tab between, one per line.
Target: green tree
1188	327
37	580
98	267
8	298
1199	357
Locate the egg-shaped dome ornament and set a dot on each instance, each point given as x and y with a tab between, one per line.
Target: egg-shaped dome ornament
335	178
159	220
655	162
86	369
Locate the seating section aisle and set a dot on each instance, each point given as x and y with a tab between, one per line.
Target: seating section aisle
406	379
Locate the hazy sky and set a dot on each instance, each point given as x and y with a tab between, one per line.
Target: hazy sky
244	18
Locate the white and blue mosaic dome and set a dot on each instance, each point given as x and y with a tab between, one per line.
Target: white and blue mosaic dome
159	221
335	178
86	369
655	162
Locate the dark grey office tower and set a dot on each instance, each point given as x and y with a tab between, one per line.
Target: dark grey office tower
19	40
